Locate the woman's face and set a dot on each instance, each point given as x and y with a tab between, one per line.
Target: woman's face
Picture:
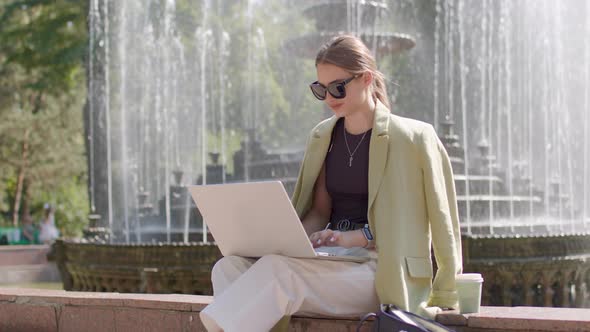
356	90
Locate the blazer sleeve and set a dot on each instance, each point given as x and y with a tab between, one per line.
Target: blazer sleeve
439	189
296	197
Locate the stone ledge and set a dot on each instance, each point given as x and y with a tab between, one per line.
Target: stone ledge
177	302
520	319
53	310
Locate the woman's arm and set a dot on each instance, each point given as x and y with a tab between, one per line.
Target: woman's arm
318	216
439	189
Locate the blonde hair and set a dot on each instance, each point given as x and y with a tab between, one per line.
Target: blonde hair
351	54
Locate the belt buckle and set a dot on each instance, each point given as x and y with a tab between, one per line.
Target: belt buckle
343	225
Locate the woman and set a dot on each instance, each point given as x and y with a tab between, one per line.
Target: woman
371	183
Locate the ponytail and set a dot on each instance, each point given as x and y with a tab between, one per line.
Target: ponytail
380	89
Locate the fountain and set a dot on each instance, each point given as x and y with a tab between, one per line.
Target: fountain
362	19
183	95
523	213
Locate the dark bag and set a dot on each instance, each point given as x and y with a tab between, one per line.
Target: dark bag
393	319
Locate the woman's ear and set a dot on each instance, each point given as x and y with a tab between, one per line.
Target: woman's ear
367	78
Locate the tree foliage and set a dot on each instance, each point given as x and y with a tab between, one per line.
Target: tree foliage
42	89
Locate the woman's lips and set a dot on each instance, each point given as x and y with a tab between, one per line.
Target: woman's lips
336	106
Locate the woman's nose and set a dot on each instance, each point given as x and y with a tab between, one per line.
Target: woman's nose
328	97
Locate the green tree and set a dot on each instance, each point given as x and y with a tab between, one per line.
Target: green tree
42	48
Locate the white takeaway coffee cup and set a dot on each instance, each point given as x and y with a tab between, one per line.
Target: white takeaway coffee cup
469	292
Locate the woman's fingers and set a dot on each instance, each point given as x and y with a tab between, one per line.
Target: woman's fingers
334	239
325	236
321	238
313	238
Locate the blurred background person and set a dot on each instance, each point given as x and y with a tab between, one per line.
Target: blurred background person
48	232
28	230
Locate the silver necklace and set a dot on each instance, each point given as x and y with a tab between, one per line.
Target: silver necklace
348	148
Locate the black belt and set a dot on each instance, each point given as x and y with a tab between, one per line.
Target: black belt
347	225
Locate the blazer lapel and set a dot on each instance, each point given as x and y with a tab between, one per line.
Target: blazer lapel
378	150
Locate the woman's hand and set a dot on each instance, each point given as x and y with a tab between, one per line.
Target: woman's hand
326	238
331	238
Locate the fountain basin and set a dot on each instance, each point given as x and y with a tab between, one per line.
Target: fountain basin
136	268
537	270
551	270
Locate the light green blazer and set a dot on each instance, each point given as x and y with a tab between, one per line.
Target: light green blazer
412	204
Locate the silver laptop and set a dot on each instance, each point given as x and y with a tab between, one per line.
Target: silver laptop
254	219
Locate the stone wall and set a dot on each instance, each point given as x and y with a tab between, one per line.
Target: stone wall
45	310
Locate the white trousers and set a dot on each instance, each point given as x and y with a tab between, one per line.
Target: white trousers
253	295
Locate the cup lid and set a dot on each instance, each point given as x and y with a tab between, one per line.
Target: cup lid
469	277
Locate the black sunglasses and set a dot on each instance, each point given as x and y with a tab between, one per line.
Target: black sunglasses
336	89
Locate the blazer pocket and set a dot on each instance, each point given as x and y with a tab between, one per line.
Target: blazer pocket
419	267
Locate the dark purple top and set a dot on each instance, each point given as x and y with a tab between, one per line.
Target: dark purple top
347	181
